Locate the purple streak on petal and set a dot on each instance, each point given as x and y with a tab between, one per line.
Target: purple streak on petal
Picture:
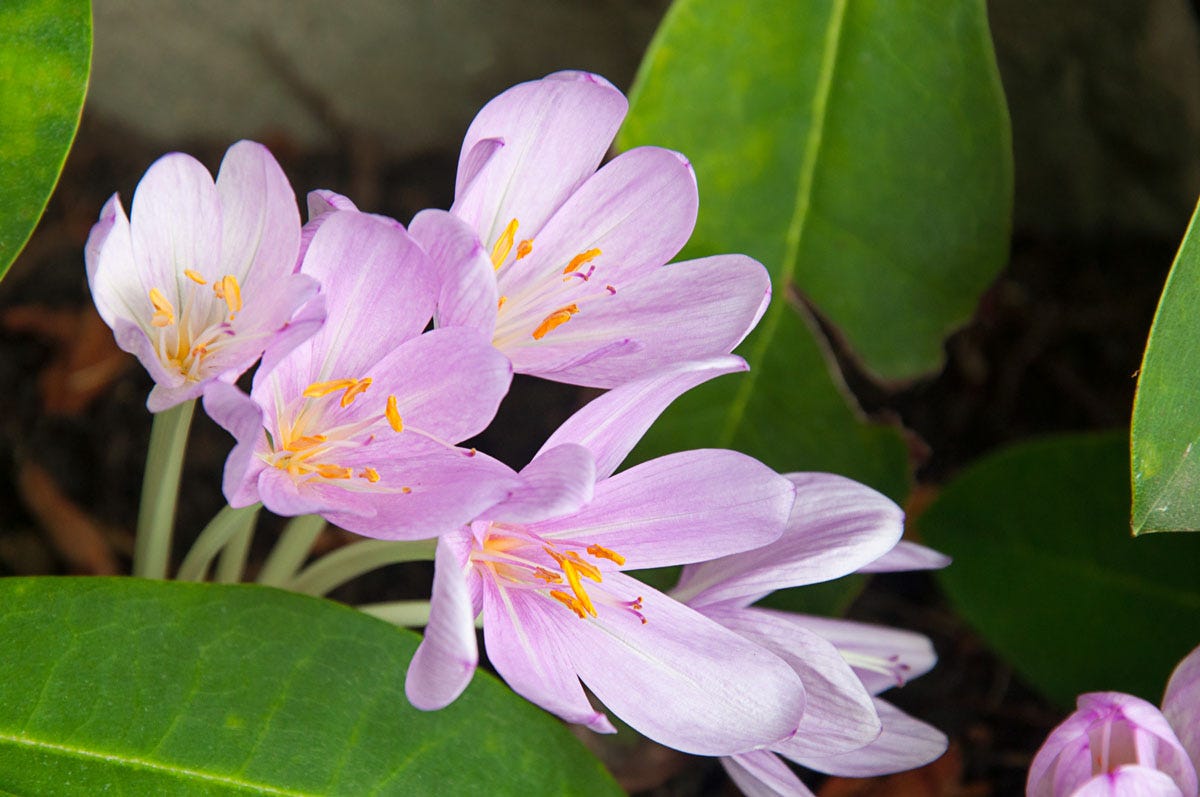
555	132
681	508
904	744
467	295
1181	704
446	658
837	525
683	311
1130	781
176	224
612	424
840	715
639	211
260	234
557	482
448	489
237	414
680	678
522	632
904	654
907	556
761	773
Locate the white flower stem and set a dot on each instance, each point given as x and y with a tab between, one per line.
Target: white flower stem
160	490
410	614
232	562
351	561
291	549
227	525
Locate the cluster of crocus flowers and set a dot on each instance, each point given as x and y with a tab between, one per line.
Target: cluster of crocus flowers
1117	744
382	349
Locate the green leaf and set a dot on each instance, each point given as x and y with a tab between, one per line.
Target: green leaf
1166	409
1044	567
861	150
44	65
125	686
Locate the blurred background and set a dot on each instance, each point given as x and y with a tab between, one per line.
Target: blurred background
371	97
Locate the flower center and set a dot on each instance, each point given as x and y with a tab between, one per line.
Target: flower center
518	559
890	666
542	307
204	325
1112	744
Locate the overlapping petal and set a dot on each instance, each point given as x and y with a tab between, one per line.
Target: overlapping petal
445	660
1181	705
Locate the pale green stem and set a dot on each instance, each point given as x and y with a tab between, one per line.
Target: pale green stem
291	550
160	490
225	526
232	562
409	614
344	564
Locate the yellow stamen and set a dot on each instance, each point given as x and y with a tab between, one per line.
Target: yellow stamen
319	389
302	443
600	552
232	294
370	474
524	248
586	569
194	276
572	574
500	303
555	320
406	490
504	245
352	392
570	602
547	576
393	415
580	259
164	313
335	471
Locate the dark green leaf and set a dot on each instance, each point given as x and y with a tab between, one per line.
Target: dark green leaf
1045	568
861	150
1166	410
125	686
44	61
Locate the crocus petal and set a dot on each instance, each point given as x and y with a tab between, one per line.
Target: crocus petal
176	222
467	295
555	483
903	654
840	715
683	507
837	525
446	658
321	202
521	632
905	743
761	773
611	425
1130	781
378	293
727	694
682	311
447	488
116	285
555	131
237	414
260	231
1181	704
907	556
638	212
283	496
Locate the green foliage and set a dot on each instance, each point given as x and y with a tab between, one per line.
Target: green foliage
1166	410
125	686
1045	568
44	62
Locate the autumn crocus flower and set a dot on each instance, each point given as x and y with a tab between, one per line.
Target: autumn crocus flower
1118	744
545	569
201	279
561	265
837	526
359	422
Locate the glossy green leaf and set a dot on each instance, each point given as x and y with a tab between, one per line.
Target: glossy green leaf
125	686
1166	409
44	62
1046	570
859	148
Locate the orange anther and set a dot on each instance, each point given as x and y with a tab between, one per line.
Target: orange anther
393	415
570	602
334	471
547	576
319	389
580	259
555	320
600	552
302	443
503	244
501	302
229	290
370	474
572	573
194	276
524	248
164	313
586	569
354	390
406	490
